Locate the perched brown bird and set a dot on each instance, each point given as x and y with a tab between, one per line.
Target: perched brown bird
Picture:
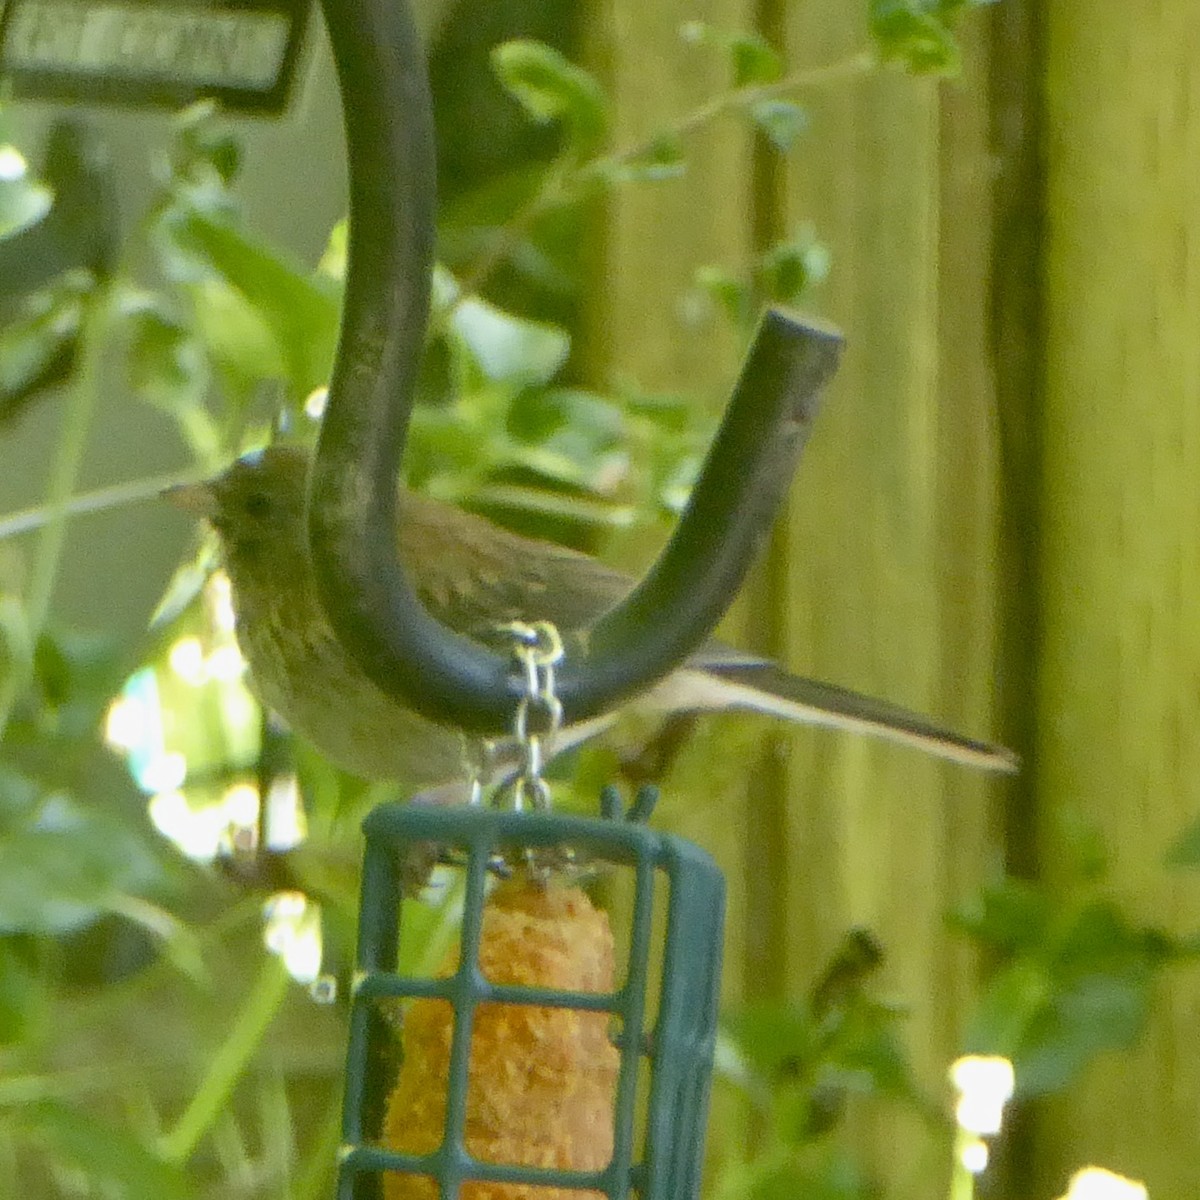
473	576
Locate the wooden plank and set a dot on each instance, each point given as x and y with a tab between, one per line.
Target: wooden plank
643	323
1120	554
644	328
881	577
890	548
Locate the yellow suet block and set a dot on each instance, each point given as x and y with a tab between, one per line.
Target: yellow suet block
542	1081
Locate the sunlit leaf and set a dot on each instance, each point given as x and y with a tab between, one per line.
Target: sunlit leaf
302	316
753	60
551	88
505	347
237	334
333	259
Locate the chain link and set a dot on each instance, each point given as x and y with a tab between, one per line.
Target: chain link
538	648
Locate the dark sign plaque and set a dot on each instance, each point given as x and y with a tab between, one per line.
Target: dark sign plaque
153	52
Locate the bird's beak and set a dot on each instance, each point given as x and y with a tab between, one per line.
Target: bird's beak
198	499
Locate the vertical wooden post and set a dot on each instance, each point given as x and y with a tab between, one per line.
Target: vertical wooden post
881	577
1120	662
890	547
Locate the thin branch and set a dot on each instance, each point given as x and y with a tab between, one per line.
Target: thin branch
559	187
116	495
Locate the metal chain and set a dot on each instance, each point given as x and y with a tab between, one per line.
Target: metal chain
538	648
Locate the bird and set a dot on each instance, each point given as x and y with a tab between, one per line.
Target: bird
475	577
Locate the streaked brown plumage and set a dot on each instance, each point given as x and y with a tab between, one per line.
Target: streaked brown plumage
472	576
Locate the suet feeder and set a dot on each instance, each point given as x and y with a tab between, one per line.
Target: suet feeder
645	1101
531	1071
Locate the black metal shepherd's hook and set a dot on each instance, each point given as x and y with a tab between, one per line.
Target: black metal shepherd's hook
370	602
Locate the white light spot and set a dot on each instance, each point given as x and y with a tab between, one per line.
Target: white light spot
124	724
226	664
241	805
12	164
984	1084
199	833
314	406
186	658
286	823
163	773
293	932
1095	1183
974	1156
220	595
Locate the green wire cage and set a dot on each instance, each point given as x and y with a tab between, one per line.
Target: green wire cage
657	1138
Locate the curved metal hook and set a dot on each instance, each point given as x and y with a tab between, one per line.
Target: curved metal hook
370	603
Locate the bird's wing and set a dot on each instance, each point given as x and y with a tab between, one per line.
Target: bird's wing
475	576
485	576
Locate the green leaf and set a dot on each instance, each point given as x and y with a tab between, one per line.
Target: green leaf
1009	915
48	322
337	249
1102	939
103	1154
789	268
661	159
506	348
1186	850
772	1037
203	144
302	315
62	864
919	33
1098	1013
731	295
753	60
237	335
21	994
166	364
829	1175
1016	996
551	88
782	121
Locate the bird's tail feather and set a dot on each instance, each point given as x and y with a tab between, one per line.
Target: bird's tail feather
764	687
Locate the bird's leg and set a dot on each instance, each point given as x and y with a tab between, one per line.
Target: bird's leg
480	760
651	762
479	764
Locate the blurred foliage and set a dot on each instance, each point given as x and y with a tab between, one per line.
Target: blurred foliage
804	1066
135	991
920	33
1072	978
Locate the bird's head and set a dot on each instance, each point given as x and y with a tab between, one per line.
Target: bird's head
256	505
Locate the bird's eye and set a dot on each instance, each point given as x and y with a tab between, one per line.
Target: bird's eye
257	506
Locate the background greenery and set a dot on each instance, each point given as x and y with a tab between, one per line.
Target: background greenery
995	524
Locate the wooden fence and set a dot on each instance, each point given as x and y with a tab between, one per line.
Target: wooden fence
998	521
